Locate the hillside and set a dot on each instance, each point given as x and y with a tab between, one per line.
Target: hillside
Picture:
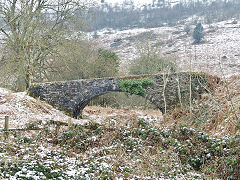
218	54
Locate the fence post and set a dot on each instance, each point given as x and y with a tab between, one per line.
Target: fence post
6	124
69	123
6	127
57	128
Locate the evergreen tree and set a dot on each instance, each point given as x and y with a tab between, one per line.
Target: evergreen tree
198	33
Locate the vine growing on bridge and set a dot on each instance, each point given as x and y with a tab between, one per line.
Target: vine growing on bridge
135	86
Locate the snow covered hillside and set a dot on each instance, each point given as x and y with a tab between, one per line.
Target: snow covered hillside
23	109
218	54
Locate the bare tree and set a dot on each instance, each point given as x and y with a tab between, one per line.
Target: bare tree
31	31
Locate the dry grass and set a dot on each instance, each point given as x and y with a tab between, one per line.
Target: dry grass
216	114
213	113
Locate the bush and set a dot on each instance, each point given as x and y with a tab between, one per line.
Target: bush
151	63
198	33
78	59
106	64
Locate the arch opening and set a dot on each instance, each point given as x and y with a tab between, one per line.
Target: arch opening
115	100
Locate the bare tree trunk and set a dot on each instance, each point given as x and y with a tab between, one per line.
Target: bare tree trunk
30	36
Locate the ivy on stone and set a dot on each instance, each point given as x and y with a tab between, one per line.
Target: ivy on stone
135	86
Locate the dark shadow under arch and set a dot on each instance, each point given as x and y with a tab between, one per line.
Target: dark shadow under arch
77	113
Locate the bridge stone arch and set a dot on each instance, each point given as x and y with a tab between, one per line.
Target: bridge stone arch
94	88
72	96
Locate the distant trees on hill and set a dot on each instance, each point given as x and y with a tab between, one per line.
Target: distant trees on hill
127	15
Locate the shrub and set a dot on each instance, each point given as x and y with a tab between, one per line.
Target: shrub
152	64
106	64
78	59
198	33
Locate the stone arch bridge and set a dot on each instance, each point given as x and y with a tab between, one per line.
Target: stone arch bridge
166	92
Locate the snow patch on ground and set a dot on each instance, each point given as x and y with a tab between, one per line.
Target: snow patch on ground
23	109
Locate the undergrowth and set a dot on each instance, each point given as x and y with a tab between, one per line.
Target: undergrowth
215	113
133	150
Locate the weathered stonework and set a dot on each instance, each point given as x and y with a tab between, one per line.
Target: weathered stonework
73	96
